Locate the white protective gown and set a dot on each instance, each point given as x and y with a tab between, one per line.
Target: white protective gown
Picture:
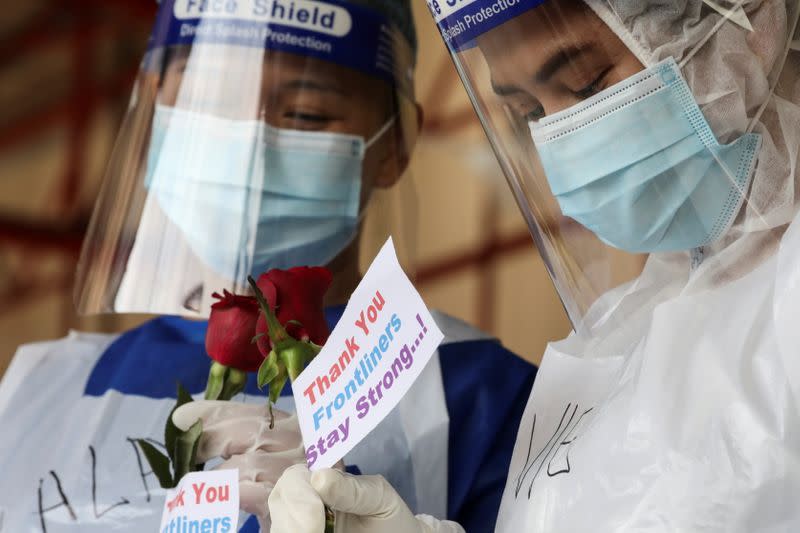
680	411
692	426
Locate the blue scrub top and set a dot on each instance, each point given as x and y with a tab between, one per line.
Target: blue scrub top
486	389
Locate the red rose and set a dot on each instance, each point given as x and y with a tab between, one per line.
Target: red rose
296	296
231	328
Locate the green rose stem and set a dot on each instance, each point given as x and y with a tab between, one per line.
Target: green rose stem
330	520
287	359
224	382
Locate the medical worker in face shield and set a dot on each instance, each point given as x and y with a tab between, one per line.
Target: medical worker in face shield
653	147
252	142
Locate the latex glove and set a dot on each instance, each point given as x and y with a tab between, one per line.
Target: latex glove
361	503
239	433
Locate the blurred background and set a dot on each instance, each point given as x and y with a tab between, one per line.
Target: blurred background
66	72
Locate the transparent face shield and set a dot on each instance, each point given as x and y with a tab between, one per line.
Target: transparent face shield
628	134
259	136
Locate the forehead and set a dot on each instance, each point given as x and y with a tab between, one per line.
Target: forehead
239	82
270	69
239	59
540	33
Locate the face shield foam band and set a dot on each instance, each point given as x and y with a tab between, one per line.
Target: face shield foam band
462	23
340	32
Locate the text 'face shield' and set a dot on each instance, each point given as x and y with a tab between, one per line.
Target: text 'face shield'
622	155
257	134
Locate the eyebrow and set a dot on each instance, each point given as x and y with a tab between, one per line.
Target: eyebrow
550	68
312	85
558	61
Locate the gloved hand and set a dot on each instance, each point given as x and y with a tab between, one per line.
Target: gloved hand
240	434
361	503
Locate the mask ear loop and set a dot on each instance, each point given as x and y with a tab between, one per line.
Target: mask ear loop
381	132
725	18
697	253
773	84
778	69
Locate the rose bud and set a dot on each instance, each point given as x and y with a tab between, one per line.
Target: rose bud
231	328
296	296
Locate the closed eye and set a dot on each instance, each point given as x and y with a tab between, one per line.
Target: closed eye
536	114
301	120
308	117
594	87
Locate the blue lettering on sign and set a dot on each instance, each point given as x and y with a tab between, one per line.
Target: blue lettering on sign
334	30
463	21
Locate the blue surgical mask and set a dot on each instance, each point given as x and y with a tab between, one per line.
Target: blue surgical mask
638	165
249	197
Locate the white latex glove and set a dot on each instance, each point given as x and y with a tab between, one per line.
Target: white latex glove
362	504
239	433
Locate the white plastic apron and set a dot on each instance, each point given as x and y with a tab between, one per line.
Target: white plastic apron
67	446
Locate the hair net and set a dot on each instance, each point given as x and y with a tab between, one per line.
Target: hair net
543	76
743	80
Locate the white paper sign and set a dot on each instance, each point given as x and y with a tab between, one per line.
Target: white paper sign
203	502
380	346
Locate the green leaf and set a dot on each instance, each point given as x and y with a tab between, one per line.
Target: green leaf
277	384
171	431
268	370
255	339
183	395
216	381
294	358
186	450
158	462
315	348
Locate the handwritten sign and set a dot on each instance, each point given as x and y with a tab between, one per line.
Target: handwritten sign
205	502
382	343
